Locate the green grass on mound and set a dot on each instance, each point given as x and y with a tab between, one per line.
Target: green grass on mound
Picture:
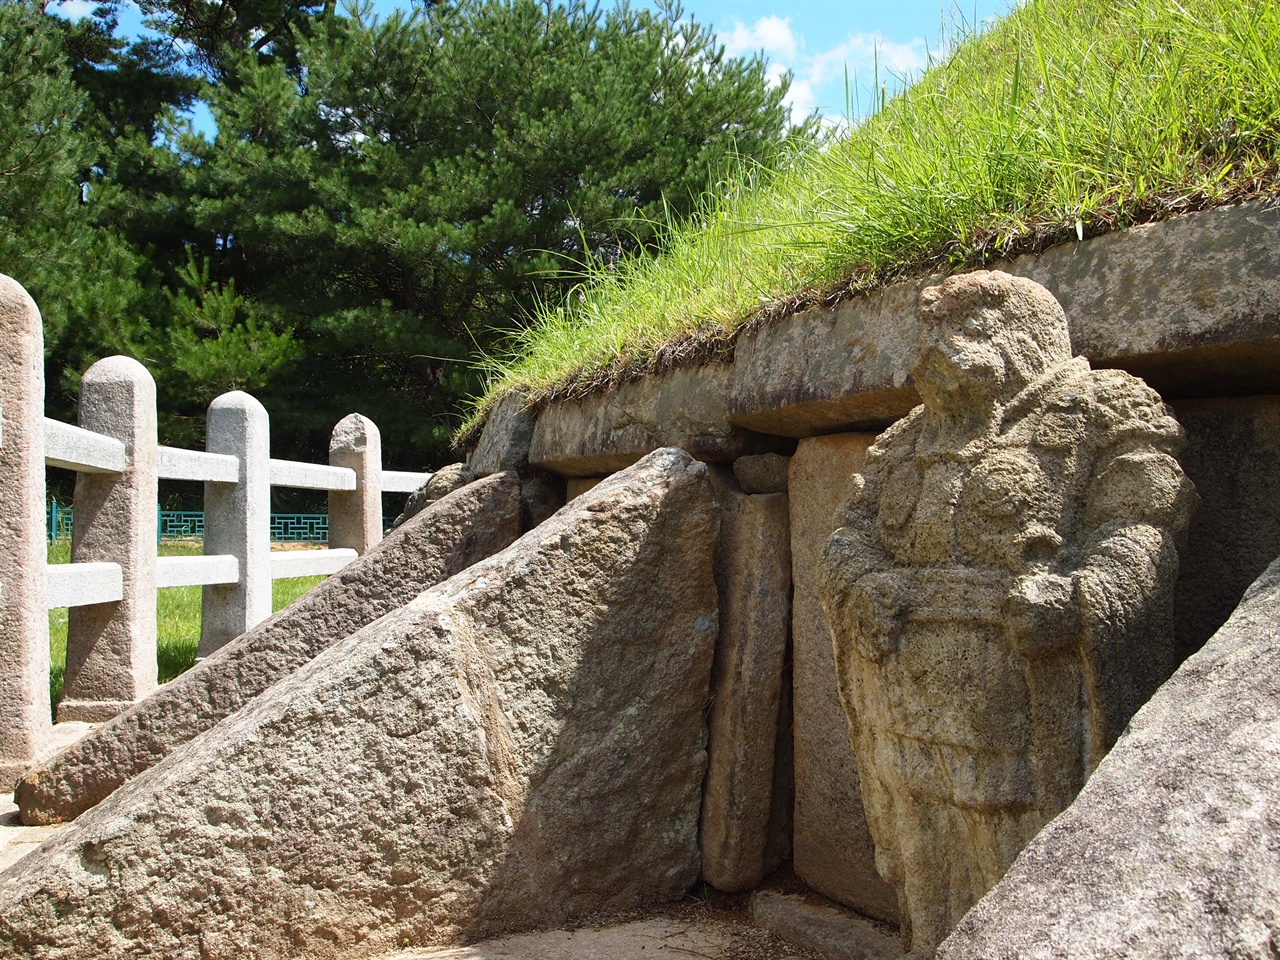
177	618
1067	119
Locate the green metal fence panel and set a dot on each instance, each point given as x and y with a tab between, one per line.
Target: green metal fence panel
180	525
189	525
300	527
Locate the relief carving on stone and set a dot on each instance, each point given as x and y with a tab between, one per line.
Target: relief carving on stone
999	589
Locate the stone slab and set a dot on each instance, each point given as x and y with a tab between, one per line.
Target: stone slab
1233	458
753	576
813	924
829	369
16	841
504	441
1172	849
762	473
688	409
1192	305
650	939
833	852
519	745
450	535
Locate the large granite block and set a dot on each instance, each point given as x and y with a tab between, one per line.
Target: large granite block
833	852
462	528
1191	305
688	409
519	745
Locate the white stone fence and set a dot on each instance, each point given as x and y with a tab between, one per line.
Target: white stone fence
111	583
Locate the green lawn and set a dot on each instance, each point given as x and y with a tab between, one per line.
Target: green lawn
177	618
1067	119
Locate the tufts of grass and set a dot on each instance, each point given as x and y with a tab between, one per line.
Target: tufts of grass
177	618
1067	119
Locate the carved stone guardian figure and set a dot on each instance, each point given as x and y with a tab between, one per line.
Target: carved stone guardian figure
1000	590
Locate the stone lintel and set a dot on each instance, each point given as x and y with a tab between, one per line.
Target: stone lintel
683	408
1191	305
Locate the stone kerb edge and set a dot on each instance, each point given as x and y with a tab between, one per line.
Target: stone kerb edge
1191	304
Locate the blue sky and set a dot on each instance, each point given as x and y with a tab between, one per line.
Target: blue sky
816	40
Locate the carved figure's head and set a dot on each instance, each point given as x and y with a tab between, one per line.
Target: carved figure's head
984	336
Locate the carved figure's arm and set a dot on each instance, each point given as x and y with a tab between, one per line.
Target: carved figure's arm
1138	506
861	592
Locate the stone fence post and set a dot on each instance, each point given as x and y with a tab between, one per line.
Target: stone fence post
25	726
355	516
111	647
238	520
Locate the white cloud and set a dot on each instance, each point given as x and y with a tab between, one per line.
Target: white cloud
820	77
800	99
771	34
73	9
860	54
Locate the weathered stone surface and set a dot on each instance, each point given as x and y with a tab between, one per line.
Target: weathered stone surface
778	847
659	938
762	473
16	839
833	853
822	927
463	528
24	615
1189	304
504	441
753	577
440	484
688	409
829	369
1172	848
1000	589
1233	457
521	744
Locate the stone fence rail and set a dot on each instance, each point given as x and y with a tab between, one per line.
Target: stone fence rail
111	583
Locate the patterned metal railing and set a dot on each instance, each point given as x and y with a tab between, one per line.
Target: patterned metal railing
58	521
180	524
189	525
295	527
